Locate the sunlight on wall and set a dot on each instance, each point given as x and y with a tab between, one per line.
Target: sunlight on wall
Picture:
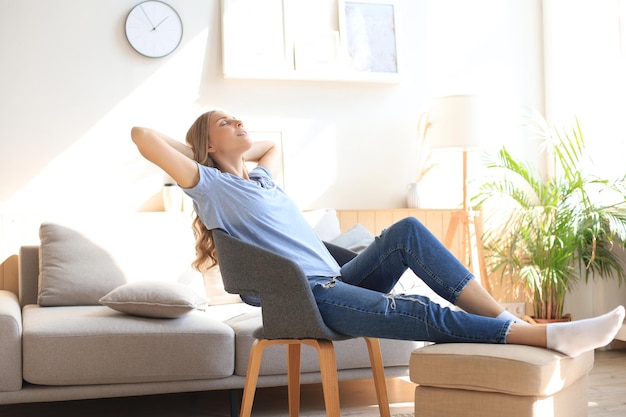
317	163
102	171
465	49
585	76
309	154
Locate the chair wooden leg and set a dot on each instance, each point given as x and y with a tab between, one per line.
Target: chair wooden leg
293	374
252	376
378	372
328	369
293	377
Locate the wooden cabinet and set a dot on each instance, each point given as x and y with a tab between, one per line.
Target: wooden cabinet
436	220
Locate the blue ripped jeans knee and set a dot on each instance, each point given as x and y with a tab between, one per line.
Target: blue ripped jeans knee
360	303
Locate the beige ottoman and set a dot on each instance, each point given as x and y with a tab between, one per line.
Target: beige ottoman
484	380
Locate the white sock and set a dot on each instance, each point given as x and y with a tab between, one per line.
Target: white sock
507	315
575	337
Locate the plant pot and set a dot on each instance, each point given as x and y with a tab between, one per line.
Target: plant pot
532	320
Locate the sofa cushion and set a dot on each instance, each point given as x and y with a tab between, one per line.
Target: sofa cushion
154	299
83	260
79	345
509	369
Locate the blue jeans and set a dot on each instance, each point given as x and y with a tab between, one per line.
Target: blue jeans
359	303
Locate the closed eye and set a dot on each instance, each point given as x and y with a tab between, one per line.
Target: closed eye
225	121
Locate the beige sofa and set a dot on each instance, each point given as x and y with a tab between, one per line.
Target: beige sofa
59	342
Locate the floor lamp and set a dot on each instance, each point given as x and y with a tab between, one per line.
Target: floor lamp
458	122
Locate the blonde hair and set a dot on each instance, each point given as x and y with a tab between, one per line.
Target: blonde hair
198	139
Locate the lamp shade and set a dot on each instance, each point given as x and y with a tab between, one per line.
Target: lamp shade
462	122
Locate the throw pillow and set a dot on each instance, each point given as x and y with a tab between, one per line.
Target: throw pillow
154	299
324	222
357	238
73	269
86	258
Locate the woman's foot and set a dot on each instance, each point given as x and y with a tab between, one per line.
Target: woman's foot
575	337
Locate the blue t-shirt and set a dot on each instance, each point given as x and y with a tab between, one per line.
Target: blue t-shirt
261	213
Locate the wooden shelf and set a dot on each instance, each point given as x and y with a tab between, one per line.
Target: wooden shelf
360	77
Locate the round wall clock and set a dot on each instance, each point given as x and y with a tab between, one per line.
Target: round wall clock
154	29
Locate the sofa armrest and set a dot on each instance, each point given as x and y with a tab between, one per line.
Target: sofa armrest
28	274
10	342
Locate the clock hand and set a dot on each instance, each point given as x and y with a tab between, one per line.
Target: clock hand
147	17
159	24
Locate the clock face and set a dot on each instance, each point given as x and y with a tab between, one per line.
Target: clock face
154	29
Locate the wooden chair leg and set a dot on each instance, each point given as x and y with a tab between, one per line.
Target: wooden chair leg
378	372
293	374
328	369
293	377
252	376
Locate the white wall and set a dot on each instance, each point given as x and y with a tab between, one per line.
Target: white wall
71	89
585	61
585	75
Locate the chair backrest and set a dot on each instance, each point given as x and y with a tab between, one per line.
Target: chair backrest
288	307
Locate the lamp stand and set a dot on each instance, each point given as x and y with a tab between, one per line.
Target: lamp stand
472	233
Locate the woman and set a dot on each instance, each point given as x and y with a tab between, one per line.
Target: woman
353	299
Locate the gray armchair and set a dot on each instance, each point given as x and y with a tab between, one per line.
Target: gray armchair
290	317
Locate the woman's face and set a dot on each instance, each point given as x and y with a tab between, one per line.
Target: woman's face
227	134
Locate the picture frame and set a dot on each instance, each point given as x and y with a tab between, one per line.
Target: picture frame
368	35
262	44
317	51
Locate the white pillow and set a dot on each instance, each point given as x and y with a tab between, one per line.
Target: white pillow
154	299
324	222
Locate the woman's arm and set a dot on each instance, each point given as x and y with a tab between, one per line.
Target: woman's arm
173	157
266	153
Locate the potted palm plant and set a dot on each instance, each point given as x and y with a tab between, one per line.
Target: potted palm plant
560	228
